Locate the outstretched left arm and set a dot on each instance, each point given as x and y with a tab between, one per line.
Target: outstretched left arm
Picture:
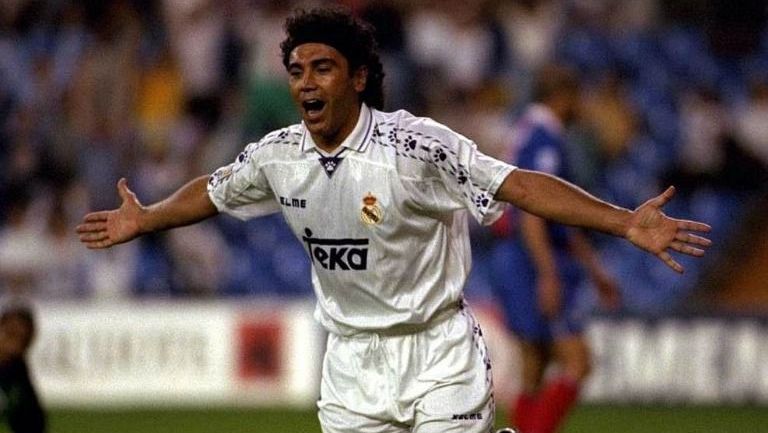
647	227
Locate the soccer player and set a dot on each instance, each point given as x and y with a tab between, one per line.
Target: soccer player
544	265
19	405
379	200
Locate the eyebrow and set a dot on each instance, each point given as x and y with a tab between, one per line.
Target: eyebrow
314	62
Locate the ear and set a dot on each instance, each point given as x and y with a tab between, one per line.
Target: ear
360	79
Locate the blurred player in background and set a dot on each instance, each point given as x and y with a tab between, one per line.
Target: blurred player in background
544	264
380	202
19	405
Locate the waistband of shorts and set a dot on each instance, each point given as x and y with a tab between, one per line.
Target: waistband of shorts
414	328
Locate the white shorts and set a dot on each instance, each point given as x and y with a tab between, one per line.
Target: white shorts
437	380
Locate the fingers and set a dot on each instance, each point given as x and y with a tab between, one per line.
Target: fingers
669	261
693	226
91	227
95	217
93	236
96	239
692	239
663	198
95	245
686	249
684	243
125	193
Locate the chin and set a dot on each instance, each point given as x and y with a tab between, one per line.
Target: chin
316	128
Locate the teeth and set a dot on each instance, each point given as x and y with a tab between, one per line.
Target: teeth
313	104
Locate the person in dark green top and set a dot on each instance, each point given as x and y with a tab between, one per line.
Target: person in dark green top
19	405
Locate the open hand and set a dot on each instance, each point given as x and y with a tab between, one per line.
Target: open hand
106	228
653	231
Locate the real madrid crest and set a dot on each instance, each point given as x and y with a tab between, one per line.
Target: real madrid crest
371	212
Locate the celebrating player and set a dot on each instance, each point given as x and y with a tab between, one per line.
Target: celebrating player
380	201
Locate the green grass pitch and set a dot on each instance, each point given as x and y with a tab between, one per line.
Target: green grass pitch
585	419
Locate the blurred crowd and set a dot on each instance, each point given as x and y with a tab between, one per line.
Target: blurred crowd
162	91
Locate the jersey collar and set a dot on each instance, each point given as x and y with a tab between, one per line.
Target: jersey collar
357	140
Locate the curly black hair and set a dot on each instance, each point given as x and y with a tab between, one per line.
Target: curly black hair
353	38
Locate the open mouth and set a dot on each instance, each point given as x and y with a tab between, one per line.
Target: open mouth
313	107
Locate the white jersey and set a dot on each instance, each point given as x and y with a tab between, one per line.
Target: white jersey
383	219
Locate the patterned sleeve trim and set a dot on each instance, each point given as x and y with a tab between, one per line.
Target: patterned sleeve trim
431	150
285	136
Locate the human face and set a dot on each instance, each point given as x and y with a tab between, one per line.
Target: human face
325	92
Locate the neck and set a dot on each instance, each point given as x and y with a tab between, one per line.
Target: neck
327	145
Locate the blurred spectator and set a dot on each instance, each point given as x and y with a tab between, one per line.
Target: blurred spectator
610	116
532	27
61	269
41	259
751	124
106	80
160	97
197	32
388	21
458	45
704	125
481	113
111	275
268	102
615	16
20	254
102	100
24	149
201	258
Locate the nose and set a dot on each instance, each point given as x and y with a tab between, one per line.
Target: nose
308	81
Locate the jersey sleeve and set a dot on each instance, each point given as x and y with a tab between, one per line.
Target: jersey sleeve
467	178
241	189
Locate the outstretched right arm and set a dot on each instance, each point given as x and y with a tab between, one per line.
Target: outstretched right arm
188	205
